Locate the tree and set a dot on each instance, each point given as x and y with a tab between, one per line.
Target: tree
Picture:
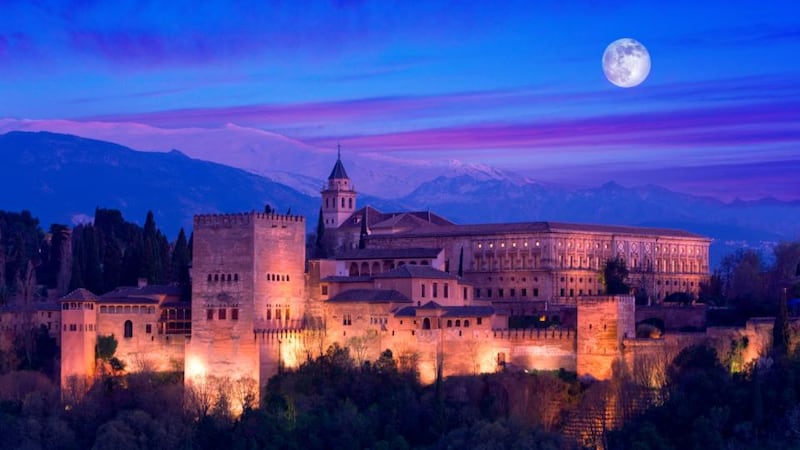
461	263
615	275
319	243
362	237
780	331
152	268
180	264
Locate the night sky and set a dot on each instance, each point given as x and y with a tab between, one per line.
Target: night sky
517	85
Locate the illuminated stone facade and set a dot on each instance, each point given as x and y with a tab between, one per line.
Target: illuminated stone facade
445	298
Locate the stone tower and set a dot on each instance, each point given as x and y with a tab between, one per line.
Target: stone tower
339	198
603	325
247	278
78	340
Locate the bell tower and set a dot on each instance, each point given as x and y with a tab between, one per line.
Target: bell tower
339	197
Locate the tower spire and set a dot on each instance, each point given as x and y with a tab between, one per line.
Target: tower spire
338	150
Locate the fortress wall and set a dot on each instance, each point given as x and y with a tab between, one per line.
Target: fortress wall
675	317
143	351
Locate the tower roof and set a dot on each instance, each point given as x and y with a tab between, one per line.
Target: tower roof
338	171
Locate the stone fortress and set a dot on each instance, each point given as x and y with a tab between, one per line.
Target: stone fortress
444	298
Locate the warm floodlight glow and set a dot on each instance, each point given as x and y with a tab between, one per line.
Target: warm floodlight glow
195	368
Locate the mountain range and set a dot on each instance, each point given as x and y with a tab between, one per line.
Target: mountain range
63	178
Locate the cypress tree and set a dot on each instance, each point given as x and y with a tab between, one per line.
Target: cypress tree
780	330
319	245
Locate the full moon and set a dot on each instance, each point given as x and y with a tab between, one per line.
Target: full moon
626	62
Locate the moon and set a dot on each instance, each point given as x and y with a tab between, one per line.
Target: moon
626	62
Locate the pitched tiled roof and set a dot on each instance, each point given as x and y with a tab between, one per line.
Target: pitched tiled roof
406	311
533	227
468	311
415	271
389	253
377	220
150	289
347	279
370	296
80	295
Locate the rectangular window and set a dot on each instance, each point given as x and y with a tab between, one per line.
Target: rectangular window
572	292
489	292
73	327
479	320
223	313
269	313
500	292
513	292
465	293
325	289
286	316
235	314
477	292
446	290
535	292
277	313
562	292
148	328
524	292
423	291
209	314
435	290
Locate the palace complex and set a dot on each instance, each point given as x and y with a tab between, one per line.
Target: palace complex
444	298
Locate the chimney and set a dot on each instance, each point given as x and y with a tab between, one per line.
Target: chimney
142	282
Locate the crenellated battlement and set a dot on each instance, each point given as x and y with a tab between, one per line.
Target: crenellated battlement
246	218
599	300
535	334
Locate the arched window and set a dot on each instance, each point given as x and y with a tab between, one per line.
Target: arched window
342	202
458	322
216	277
209	277
364	268
353	269
128	332
426	324
449	323
466	324
350	203
236	277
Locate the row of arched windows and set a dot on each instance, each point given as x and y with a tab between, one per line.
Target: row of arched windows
223	277
127	309
277	277
331	202
79	327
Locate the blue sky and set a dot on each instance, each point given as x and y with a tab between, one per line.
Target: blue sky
513	84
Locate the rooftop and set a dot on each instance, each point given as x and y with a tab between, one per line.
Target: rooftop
370	296
389	253
415	271
544	227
